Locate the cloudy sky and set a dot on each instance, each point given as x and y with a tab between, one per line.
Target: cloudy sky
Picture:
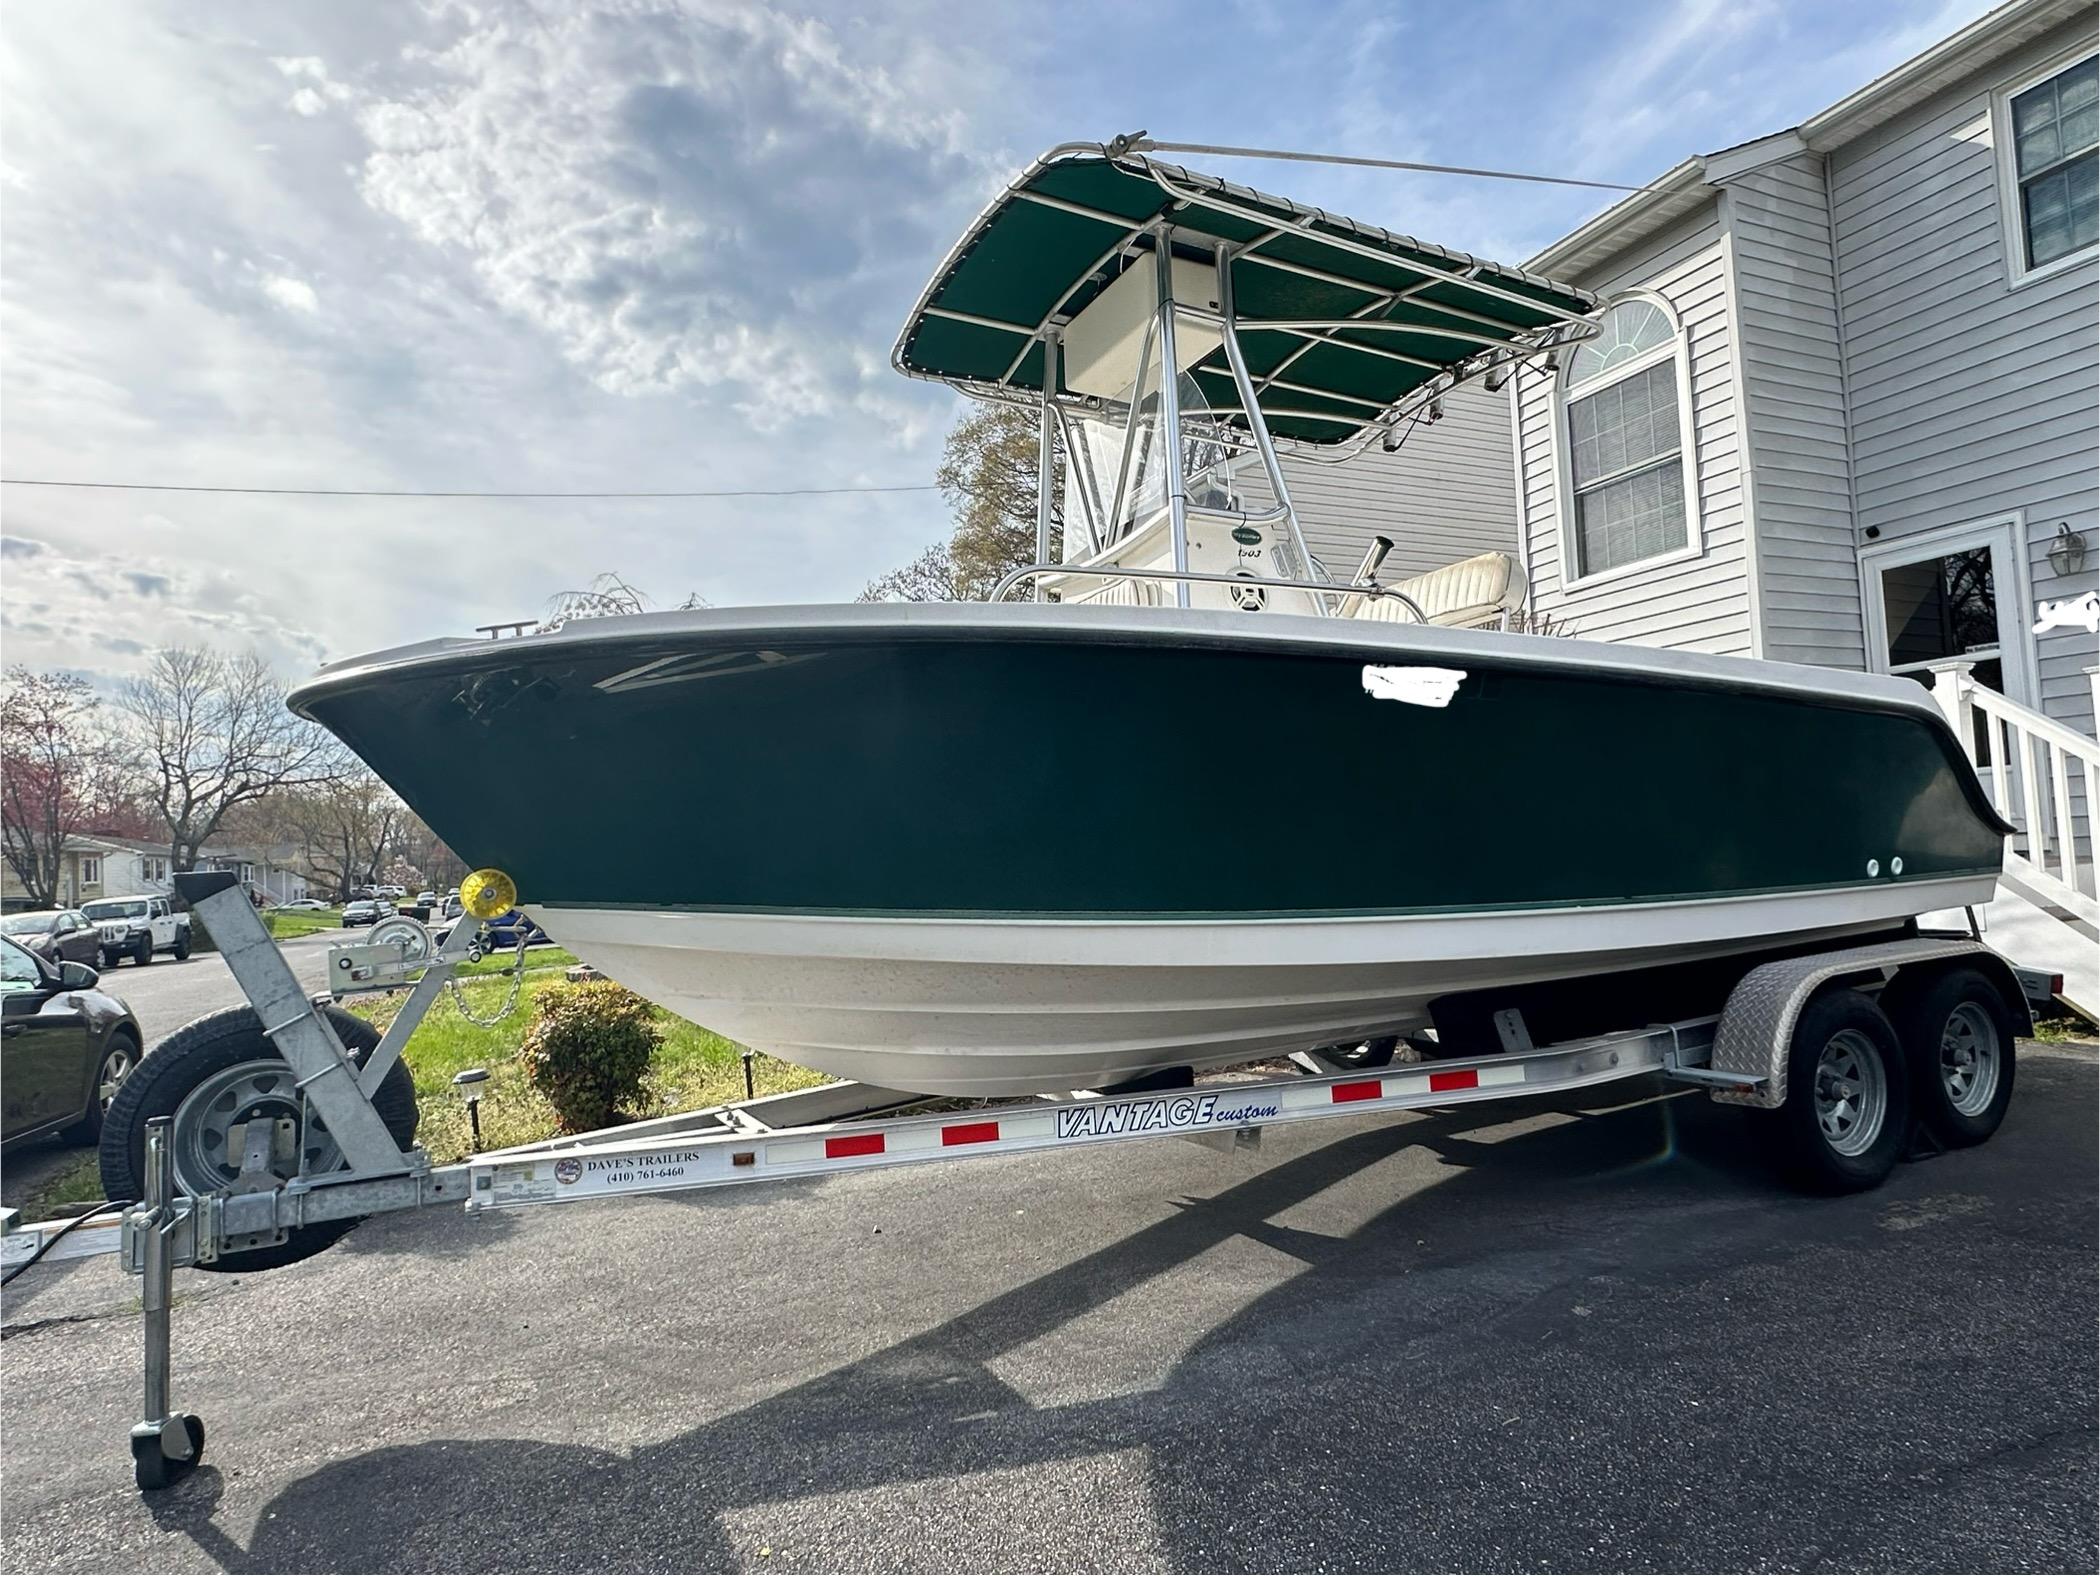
634	244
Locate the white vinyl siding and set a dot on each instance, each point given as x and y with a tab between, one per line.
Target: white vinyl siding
1971	396
1698	601
1794	392
1447	494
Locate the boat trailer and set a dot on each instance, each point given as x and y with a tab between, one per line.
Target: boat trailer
1741	1054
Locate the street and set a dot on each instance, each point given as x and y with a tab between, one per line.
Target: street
1593	1336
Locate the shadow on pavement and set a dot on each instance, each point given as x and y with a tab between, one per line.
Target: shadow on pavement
1622	1342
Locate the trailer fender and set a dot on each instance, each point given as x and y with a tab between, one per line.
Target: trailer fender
1757	1025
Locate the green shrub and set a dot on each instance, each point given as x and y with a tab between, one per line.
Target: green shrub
587	1050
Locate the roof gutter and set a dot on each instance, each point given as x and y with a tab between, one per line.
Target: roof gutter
1997	32
1655	205
1677	191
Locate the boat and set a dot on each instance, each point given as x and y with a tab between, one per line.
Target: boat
1085	835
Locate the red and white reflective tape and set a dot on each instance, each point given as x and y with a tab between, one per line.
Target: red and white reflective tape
710	1160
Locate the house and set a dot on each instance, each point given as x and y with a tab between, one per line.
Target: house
103	864
96	865
1842	410
273	872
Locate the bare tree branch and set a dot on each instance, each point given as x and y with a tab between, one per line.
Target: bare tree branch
212	733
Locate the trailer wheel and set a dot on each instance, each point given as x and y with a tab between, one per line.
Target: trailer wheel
219	1072
1959	1036
1847	1112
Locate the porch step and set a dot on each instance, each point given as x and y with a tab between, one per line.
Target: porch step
2029	935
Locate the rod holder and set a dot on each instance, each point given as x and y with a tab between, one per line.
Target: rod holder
1374	556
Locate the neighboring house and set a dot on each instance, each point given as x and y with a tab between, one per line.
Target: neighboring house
268	871
1845	410
1449	492
81	874
96	865
103	865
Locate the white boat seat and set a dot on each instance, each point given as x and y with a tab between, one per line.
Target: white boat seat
1473	593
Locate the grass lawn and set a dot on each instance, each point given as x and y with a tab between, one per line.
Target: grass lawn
79	1183
288	922
693	1067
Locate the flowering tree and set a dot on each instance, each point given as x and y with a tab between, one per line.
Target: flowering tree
60	775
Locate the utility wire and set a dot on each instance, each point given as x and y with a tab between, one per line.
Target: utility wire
1144	144
377	492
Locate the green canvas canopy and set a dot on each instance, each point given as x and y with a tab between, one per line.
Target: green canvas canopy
1064	229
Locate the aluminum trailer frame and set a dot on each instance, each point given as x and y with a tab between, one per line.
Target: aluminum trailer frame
1739	1055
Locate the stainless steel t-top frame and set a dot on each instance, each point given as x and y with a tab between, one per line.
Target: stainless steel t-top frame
1158	348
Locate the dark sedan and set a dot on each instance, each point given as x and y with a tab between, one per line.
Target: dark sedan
58	935
64	1047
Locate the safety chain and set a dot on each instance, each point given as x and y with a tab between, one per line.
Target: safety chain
510	997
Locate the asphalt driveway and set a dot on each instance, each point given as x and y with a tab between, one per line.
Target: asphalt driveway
1575	1337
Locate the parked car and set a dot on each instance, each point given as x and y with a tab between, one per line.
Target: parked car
452	908
499	934
138	927
65	1046
426	900
58	935
366	911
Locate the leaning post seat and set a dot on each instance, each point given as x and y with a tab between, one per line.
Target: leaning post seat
1474	593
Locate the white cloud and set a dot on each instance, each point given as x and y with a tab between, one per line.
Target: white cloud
295	294
314	99
696	199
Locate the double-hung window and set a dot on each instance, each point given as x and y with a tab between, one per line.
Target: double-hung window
2054	127
1625	443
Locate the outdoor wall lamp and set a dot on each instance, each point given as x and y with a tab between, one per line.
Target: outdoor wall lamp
2067	550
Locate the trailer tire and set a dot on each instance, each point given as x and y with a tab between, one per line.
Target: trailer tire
1847	1118
211	1046
1958	1033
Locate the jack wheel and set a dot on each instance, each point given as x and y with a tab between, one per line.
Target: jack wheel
164	1453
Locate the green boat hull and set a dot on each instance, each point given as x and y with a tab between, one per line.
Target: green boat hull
1094	768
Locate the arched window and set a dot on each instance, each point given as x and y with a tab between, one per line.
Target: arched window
1627	480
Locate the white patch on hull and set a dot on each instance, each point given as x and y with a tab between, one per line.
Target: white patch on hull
1022	1006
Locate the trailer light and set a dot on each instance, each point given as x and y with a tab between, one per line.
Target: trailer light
487	893
743	1157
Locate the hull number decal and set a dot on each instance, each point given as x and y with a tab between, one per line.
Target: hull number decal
1413	686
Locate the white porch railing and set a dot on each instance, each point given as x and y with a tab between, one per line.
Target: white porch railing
2035	771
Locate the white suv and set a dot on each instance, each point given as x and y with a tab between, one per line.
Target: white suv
138	927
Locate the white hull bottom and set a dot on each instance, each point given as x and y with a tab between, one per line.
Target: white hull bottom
1025	1006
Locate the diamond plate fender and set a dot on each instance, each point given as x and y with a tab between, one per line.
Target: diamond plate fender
1757	1025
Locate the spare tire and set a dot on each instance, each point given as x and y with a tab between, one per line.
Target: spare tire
247	1079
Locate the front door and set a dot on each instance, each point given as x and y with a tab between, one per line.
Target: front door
1954	593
